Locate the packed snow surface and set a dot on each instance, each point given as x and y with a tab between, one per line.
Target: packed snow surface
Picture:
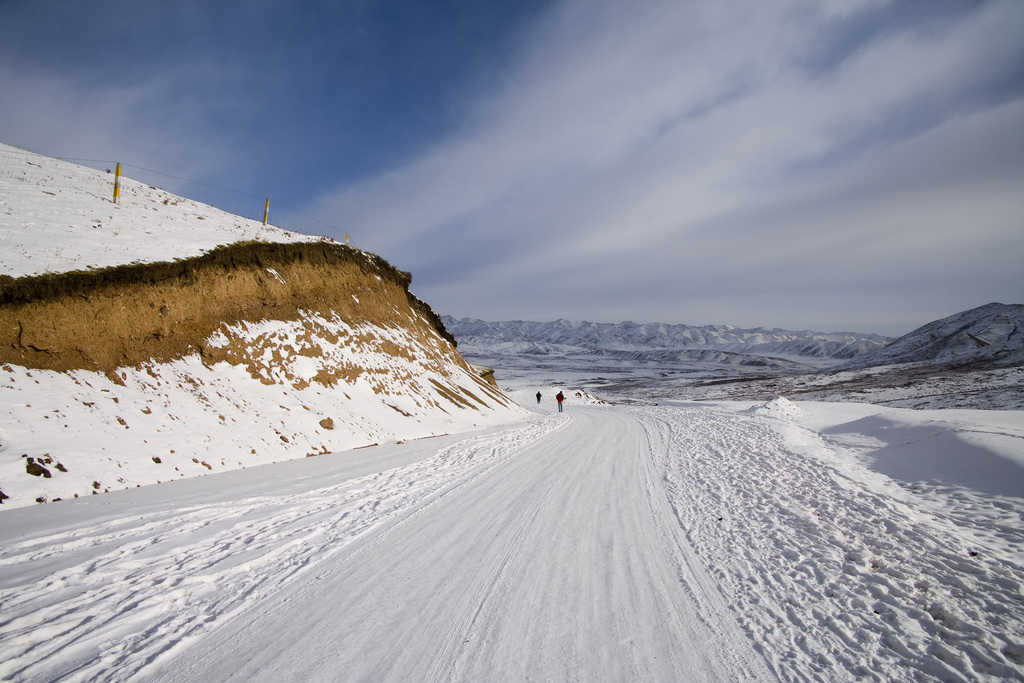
784	541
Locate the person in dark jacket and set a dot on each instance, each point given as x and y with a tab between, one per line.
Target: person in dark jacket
560	398
538	398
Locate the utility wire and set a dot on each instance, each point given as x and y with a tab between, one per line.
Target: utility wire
196	182
315	220
91	161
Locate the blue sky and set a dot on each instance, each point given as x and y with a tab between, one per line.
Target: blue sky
830	165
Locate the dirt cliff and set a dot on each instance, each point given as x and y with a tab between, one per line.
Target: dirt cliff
131	314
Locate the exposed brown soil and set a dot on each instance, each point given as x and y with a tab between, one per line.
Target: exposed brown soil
130	315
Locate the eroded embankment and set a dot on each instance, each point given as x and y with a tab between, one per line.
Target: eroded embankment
133	314
249	355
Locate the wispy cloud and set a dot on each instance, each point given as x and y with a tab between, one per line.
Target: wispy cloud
786	163
161	124
825	164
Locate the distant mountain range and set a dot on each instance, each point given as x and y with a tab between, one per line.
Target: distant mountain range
989	336
713	344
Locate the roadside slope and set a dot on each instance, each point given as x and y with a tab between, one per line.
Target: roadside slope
157	369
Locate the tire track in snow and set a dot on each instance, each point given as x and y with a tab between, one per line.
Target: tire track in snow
548	566
833	581
576	548
116	599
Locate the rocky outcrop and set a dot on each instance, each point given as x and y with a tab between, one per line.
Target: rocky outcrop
134	350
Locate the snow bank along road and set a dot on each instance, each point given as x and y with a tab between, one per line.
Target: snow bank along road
675	544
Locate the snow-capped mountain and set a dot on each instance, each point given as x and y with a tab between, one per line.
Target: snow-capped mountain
988	335
714	344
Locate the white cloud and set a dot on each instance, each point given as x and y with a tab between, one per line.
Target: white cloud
162	122
789	163
639	150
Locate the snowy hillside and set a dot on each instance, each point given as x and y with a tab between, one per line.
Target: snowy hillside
194	358
988	335
709	344
56	216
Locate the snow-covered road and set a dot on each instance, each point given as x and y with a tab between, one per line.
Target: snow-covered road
607	544
559	563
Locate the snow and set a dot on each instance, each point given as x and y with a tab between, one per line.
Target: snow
779	407
56	216
990	333
969	360
79	433
688	542
184	418
839	572
909	385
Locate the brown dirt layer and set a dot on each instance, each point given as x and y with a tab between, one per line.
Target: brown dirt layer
128	315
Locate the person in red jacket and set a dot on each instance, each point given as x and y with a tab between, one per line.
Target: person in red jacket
560	398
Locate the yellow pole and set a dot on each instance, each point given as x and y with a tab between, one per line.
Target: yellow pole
266	211
117	182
